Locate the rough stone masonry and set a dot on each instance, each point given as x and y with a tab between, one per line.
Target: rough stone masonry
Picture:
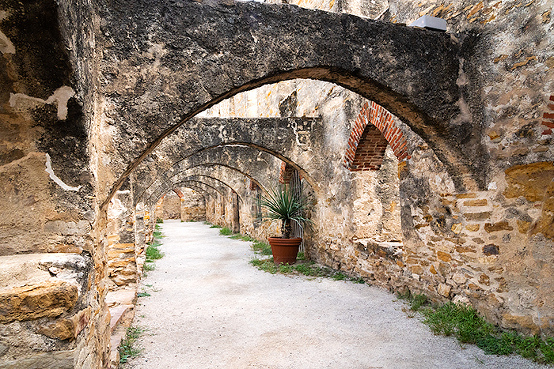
427	156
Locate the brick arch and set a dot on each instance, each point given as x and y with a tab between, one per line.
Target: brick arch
373	130
548	118
178	192
286	172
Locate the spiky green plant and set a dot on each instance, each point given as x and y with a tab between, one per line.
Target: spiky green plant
284	205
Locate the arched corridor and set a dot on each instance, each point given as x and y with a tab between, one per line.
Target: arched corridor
426	156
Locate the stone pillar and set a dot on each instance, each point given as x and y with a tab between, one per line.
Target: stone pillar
140	234
122	267
211	209
159	210
235	224
149	222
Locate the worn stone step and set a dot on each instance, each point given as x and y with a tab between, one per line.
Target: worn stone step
126	296
115	341
117	314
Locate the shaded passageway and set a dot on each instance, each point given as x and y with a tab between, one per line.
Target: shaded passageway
208	308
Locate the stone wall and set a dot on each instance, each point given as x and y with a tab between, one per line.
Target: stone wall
193	207
171	206
48	188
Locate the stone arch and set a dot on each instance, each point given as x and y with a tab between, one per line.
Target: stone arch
198	189
243	159
216	173
410	72
184	162
277	136
206	188
222	188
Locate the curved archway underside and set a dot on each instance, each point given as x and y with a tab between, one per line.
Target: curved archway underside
411	72
221	187
293	140
226	176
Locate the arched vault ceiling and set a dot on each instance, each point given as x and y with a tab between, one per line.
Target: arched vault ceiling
163	64
274	134
200	187
230	177
221	187
208	185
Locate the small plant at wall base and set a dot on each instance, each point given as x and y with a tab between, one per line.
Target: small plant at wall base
225	231
286	206
308	269
463	322
152	251
127	348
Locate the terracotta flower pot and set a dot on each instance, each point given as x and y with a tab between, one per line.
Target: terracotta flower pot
284	250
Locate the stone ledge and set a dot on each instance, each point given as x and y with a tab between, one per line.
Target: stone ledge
28	269
50	360
117	314
390	250
47	299
67	328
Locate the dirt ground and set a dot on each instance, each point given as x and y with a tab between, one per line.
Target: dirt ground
209	308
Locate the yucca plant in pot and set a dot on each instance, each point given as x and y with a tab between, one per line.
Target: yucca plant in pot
286	206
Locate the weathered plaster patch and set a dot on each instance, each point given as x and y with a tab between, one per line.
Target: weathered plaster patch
61	96
6	46
21	102
56	179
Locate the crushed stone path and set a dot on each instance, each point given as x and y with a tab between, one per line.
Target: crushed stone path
209	308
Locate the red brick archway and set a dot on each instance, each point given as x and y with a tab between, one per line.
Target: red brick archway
367	142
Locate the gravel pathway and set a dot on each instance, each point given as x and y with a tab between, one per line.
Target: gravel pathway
209	308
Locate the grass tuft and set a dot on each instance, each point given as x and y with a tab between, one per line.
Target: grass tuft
464	322
309	269
215	226
225	231
148	267
153	253
127	348
261	247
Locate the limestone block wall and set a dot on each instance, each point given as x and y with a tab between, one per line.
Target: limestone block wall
48	217
171	206
193	207
122	253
